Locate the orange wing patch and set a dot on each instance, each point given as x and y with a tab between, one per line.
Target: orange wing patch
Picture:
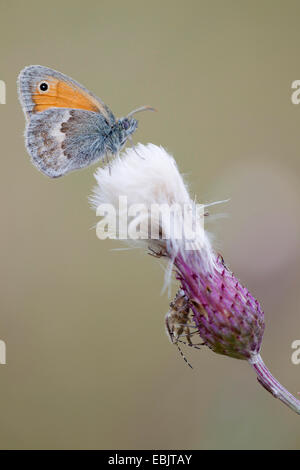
62	95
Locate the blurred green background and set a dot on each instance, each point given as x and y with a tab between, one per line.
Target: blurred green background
88	361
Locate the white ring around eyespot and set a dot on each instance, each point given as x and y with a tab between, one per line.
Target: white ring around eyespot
46	83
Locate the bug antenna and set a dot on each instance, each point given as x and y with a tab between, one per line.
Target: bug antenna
142	108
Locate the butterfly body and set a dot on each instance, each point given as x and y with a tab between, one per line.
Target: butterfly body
68	127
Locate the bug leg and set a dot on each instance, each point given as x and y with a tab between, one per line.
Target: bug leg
183	356
195	346
156	254
168	328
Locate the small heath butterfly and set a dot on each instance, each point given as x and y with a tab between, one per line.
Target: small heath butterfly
68	127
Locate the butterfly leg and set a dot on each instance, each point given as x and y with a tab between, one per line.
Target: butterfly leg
134	147
108	163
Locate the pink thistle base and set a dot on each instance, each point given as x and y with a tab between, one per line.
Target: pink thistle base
266	379
227	317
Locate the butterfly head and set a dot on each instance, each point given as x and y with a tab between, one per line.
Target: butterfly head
128	124
127	127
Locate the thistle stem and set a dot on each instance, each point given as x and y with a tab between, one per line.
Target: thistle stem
266	379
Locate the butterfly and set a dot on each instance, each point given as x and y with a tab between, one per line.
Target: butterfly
68	127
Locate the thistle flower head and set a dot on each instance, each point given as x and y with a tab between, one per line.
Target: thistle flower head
148	176
212	300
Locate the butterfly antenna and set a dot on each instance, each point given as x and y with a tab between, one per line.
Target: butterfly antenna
142	108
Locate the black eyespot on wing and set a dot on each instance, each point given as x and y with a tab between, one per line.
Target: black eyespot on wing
43	86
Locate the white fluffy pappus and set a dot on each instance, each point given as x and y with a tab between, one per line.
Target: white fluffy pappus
148	175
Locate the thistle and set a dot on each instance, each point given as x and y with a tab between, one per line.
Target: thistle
211	302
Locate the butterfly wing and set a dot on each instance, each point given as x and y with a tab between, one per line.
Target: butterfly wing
61	92
67	124
62	140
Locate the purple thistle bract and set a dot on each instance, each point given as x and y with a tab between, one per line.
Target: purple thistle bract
229	320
